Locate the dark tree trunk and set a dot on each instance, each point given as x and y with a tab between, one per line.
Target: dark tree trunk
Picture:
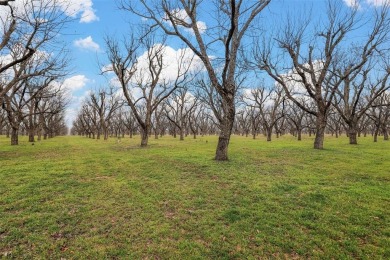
385	134
14	136
269	135
320	132
31	137
181	132
221	153
299	134
376	132
352	132
144	137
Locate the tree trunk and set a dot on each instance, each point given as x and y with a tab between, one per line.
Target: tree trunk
14	136
385	132
299	134
376	134
221	153
31	137
269	135
352	132
144	137
181	132
320	132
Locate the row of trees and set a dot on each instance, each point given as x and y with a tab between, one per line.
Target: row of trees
260	111
320	71
32	65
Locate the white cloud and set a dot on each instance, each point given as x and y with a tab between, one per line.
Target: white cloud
173	62
352	3
358	3
377	2
87	44
88	16
75	83
73	8
84	7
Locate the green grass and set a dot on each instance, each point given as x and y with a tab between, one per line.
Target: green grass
73	197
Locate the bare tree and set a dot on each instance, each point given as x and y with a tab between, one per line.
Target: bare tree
357	94
104	104
315	72
32	28
178	108
379	113
269	103
153	87
233	19
296	116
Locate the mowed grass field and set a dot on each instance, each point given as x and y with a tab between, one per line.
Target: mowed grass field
78	198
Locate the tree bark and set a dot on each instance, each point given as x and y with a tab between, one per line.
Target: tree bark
385	133
144	137
221	153
14	136
181	132
320	132
299	134
31	136
376	132
352	132
269	135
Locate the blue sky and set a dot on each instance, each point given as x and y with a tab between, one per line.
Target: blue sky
94	19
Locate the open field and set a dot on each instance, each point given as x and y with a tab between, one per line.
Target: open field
73	197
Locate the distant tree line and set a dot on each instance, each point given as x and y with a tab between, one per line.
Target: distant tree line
260	111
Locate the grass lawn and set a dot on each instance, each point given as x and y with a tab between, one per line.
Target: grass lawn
73	197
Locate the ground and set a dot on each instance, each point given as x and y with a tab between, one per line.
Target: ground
74	197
